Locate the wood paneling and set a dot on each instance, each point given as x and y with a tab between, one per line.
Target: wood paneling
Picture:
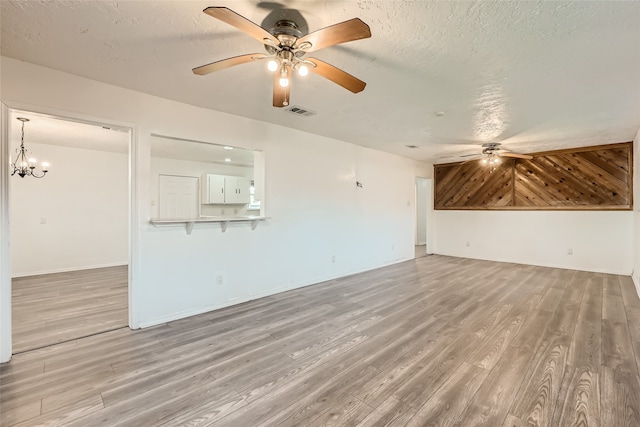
589	178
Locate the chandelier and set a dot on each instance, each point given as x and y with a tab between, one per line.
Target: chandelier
24	165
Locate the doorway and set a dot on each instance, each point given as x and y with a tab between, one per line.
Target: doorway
422	216
69	230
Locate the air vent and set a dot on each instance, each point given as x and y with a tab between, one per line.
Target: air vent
412	146
299	111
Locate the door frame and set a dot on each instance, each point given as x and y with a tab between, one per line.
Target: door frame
429	213
5	238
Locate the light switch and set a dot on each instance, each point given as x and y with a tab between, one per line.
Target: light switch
43	220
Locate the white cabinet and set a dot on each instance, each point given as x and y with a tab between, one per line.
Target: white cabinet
236	189
222	189
213	189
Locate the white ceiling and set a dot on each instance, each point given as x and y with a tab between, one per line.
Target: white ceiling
43	129
533	75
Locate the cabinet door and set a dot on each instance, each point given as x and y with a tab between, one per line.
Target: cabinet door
230	189
244	187
215	189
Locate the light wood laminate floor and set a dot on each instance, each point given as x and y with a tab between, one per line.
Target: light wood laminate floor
53	308
432	341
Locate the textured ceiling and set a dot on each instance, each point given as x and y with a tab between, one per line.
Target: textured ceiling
444	76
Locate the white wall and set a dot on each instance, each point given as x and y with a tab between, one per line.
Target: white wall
600	241
5	266
316	210
636	211
83	201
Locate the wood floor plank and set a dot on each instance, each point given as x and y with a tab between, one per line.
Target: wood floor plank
513	421
490	405
579	399
433	341
620	394
448	402
18	414
389	413
585	348
58	307
536	399
349	412
616	347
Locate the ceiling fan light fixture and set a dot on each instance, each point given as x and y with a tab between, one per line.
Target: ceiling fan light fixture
303	70
284	80
272	65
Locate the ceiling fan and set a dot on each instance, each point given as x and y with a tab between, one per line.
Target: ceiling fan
491	152
286	46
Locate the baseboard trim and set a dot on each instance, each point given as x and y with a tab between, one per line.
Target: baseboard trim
188	313
636	282
563	267
68	269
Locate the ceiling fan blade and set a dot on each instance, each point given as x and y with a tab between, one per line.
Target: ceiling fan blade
470	160
336	75
281	94
240	22
515	155
353	29
226	63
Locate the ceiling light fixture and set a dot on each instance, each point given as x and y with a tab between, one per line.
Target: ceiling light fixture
286	47
227	160
492	159
226	147
24	165
272	65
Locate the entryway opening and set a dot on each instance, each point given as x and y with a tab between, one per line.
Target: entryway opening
69	230
422	204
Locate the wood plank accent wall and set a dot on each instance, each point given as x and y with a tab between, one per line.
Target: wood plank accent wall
587	178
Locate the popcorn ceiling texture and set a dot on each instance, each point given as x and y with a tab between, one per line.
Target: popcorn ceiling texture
533	75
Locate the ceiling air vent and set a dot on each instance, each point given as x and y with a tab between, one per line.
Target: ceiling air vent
299	111
412	146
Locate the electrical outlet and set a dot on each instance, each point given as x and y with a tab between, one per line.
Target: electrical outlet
333	259
468	244
570	251
219	279
43	220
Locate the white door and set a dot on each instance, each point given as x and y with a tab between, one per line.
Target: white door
178	198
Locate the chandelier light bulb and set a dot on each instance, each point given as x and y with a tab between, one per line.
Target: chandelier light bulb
284	82
272	65
45	167
484	161
303	70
